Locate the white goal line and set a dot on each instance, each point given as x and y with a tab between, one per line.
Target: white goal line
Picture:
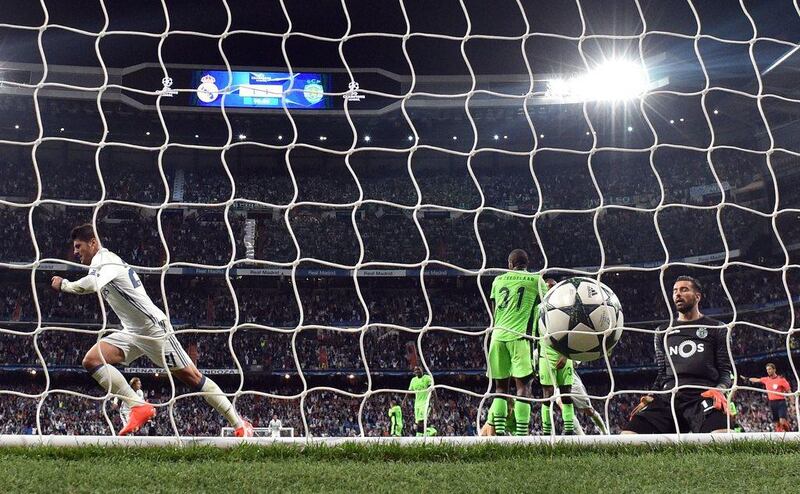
227	442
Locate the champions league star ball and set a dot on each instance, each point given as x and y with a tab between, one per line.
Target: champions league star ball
581	318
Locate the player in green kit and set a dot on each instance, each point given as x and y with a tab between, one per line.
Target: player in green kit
395	419
556	370
515	297
488	427
421	384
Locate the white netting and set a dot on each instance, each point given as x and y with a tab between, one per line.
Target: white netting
579	195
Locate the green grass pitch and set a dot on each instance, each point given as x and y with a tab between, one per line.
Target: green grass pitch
729	468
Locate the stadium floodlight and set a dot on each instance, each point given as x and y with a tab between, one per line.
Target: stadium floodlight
455	138
410	138
716	112
242	137
197	136
672	121
367	138
612	80
16	126
146	133
496	137
286	376
280	137
682	119
61	129
630	129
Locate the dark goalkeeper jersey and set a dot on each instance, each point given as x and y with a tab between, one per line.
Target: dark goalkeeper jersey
698	352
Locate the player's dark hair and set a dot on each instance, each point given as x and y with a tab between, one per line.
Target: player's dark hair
695	283
84	233
518	258
770	364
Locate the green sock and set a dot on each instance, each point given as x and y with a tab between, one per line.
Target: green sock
499	412
431	431
522	415
547	425
568	414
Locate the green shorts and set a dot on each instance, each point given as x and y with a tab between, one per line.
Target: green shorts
421	410
548	371
510	359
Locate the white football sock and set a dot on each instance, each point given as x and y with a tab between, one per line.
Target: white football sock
114	382
598	421
220	402
576	424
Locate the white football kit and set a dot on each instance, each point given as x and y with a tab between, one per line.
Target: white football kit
124	409
275	426
580	397
146	330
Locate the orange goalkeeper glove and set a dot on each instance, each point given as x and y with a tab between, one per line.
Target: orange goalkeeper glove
720	403
643	402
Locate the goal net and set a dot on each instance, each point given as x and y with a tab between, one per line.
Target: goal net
319	196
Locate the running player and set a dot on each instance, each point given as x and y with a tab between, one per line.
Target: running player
421	385
124	409
775	385
146	331
395	419
514	298
697	348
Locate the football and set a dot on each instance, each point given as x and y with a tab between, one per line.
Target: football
582	319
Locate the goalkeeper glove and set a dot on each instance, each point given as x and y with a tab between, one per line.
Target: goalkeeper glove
643	402
720	403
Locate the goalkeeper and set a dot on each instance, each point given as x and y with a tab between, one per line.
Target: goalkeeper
693	353
514	298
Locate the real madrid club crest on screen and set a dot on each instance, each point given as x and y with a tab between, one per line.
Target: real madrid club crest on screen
207	91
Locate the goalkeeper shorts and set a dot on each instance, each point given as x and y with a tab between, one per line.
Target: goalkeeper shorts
157	341
657	417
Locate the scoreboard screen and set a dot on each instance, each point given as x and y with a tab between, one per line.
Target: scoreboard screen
260	89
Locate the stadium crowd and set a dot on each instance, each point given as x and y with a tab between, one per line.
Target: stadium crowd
327	413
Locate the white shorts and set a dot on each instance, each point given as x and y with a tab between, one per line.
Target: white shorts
125	415
165	351
579	396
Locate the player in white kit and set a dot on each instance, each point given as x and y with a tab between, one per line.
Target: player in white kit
124	409
146	331
275	426
582	402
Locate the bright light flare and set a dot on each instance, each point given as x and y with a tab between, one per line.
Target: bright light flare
614	80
